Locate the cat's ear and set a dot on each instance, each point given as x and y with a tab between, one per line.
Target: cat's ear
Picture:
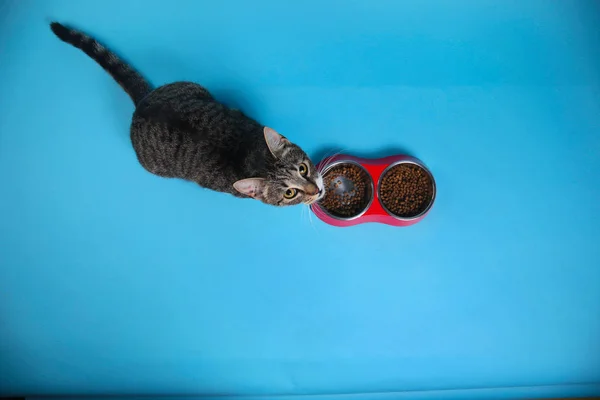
275	142
252	187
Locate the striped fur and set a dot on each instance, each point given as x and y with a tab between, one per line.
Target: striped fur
130	80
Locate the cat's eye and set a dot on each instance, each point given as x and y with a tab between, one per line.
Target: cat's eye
303	169
290	193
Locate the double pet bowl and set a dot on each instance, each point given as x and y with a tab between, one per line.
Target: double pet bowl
396	190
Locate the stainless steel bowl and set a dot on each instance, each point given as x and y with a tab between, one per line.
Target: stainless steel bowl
345	185
433	189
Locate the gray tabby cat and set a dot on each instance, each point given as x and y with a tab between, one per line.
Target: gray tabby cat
180	131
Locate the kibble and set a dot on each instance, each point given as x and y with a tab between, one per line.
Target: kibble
406	190
346	203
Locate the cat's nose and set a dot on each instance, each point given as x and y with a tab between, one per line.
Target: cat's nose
312	189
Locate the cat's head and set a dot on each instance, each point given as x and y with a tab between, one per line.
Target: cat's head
293	179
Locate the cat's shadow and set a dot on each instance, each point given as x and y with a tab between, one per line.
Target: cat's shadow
162	66
168	67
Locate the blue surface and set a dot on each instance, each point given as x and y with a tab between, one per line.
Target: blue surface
115	281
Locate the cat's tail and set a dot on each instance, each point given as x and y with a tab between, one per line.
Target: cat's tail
130	80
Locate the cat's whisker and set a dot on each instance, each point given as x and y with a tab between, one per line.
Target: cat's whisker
307	213
329	154
326	155
310	219
328	160
325	160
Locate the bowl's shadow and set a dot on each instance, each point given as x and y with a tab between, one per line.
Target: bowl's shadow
328	151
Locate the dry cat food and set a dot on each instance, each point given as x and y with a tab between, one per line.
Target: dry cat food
348	190
406	190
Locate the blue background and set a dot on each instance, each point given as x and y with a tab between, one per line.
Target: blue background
114	281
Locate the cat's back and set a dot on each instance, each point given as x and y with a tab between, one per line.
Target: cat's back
179	129
177	104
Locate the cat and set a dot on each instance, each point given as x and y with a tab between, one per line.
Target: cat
180	131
